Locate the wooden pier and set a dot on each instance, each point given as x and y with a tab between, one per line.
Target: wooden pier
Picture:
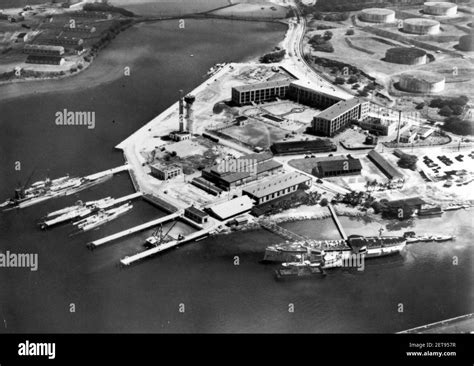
337	222
121	234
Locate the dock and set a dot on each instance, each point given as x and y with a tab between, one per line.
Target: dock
284	233
121	234
108	172
337	222
123	199
150	252
459	324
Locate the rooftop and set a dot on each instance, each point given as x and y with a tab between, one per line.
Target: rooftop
233	207
195	211
264	85
339	108
301	145
275	184
336	163
384	164
412	201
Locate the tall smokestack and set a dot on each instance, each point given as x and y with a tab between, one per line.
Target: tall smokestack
399	125
181	112
189	99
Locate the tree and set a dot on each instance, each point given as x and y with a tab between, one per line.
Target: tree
339	80
457	109
420	105
352	79
327	35
323	202
350	32
377	206
408	161
446	111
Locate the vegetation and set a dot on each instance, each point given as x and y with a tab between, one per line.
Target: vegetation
350	32
458	126
275	56
107	7
323	202
451	106
408	161
321	43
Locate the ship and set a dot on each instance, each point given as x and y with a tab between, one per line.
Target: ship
41	191
431	211
302	268
102	217
79	210
332	250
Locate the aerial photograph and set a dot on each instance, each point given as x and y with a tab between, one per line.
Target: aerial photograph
236	166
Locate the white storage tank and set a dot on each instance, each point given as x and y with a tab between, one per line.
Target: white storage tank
421	26
440	8
377	15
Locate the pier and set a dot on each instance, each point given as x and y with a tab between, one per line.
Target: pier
460	324
337	222
108	172
150	252
121	234
123	199
284	233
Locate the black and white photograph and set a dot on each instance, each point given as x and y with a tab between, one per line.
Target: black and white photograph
175	168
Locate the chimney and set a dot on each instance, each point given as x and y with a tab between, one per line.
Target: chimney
181	112
189	99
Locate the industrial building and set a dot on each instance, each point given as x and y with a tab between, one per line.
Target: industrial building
184	133
303	147
261	92
43	50
261	165
165	172
272	188
333	166
91	14
384	165
196	215
422	82
21	37
234	207
406	56
440	8
377	15
378	126
79	28
421	26
425	132
339	115
407	137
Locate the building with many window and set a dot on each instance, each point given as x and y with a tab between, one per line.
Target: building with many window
260	92
165	172
333	166
272	188
43	50
302	147
301	92
335	118
45	60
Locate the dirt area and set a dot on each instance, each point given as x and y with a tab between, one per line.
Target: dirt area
256	133
191	155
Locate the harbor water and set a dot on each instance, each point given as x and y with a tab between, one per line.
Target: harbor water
218	296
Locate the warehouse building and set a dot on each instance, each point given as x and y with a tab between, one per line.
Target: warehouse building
336	117
384	165
43	50
255	166
63	41
302	147
272	188
407	137
334	166
234	207
165	172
